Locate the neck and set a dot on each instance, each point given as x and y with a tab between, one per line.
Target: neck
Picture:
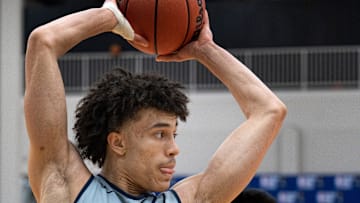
121	179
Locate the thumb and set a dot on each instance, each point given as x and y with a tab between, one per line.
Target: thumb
169	57
123	27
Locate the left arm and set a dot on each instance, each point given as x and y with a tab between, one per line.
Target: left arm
237	159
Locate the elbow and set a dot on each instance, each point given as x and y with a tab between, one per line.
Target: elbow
273	109
40	39
278	111
40	45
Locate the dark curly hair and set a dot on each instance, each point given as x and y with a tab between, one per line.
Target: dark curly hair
252	195
116	98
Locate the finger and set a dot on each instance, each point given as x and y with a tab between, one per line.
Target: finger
123	27
206	19
139	40
168	58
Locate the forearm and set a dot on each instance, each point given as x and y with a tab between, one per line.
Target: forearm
66	32
45	106
252	95
238	158
59	36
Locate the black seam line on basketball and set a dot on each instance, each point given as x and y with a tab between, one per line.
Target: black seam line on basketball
188	24
155	27
126	6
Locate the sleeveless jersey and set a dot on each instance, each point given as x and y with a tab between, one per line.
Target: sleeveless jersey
99	190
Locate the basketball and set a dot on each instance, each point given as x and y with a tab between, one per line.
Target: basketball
168	25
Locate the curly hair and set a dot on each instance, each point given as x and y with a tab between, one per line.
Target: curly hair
115	99
252	195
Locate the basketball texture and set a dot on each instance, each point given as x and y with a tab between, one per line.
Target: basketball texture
166	24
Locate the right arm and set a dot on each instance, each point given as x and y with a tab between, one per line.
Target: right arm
56	171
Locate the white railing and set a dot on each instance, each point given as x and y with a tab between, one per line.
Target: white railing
300	68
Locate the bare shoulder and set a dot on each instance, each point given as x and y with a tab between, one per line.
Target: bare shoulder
59	181
187	189
195	189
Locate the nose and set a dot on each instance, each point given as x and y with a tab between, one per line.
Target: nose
172	149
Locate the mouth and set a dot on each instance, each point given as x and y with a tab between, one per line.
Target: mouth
167	170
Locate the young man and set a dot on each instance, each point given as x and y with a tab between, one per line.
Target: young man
127	123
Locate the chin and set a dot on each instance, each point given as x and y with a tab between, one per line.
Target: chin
161	187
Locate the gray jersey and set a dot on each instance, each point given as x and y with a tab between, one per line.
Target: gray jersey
100	190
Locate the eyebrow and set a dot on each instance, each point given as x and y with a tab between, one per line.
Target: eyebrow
161	125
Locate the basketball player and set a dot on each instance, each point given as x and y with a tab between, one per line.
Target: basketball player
127	123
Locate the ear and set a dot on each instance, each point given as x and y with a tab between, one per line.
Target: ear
117	143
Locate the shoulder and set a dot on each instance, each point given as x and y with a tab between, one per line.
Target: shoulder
57	180
187	189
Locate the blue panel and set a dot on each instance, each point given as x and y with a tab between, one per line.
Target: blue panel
308	188
307	182
269	181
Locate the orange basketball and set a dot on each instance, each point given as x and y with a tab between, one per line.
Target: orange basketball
166	24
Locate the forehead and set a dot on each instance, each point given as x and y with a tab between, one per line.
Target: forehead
150	117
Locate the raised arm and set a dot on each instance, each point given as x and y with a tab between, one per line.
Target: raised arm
56	171
237	159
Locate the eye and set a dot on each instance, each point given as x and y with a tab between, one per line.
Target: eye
163	134
159	134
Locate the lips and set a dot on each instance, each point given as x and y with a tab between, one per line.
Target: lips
167	170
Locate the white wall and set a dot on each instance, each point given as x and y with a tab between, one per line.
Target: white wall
328	125
321	132
11	59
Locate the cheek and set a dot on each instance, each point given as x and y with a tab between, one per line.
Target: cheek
143	152
148	154
143	155
143	166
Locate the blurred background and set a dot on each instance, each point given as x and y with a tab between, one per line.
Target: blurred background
307	51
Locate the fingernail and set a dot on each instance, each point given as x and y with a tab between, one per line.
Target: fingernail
144	43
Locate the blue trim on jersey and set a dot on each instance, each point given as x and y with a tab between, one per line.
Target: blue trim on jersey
123	192
84	188
96	182
176	195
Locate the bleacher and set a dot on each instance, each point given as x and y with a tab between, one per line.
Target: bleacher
297	68
307	188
